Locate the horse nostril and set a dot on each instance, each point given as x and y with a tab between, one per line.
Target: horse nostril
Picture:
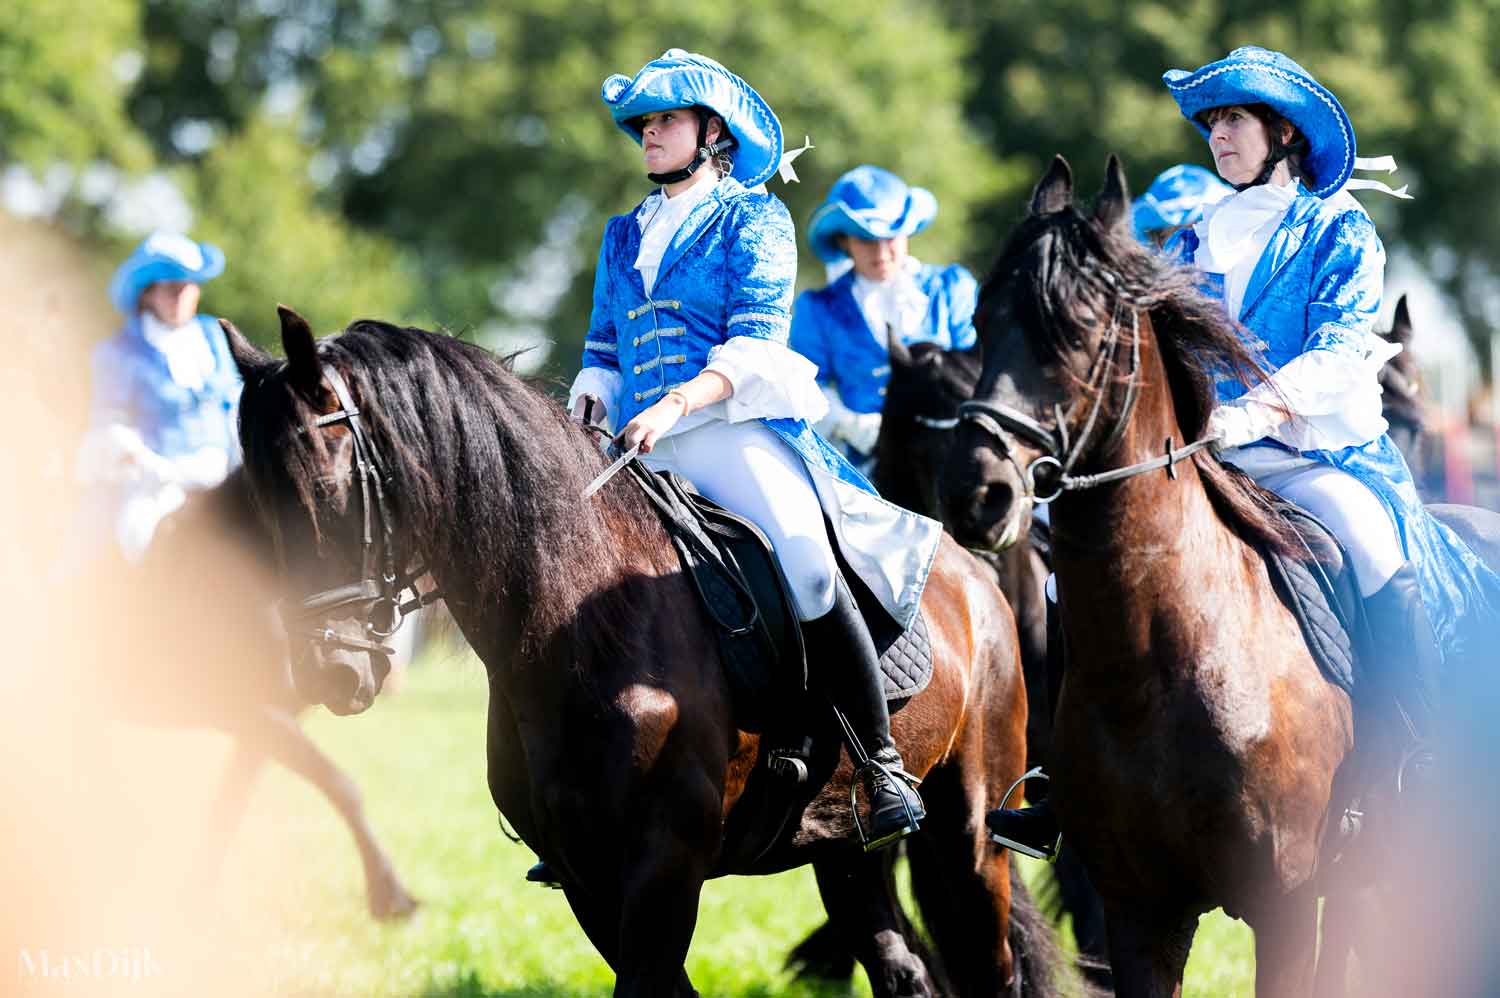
340	682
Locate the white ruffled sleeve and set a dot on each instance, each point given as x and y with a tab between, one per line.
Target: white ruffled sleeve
1334	397
770	380
603	383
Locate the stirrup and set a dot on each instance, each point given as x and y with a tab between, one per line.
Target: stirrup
880	769
1034	773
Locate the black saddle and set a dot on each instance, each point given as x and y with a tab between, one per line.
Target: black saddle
1318	586
742	589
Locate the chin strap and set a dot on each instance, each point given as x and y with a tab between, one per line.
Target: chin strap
705	153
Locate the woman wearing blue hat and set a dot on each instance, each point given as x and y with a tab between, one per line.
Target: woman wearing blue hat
687	353
1298	264
846	327
162	419
1174	201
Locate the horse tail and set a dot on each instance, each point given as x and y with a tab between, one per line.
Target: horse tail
1040	962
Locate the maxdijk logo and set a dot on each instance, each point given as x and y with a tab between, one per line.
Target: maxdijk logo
118	963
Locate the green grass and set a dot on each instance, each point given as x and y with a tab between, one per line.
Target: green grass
291	920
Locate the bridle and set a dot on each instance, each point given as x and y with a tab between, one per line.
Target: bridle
1059	454
377	593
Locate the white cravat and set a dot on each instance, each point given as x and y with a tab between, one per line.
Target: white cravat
1234	233
660	217
190	360
893	304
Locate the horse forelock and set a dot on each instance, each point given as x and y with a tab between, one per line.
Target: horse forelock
1065	278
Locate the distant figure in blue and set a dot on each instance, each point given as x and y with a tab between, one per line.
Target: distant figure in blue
165	394
1175	201
846	327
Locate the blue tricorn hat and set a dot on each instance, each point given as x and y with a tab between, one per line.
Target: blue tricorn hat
1253	75
164	256
870	203
1176	198
686	79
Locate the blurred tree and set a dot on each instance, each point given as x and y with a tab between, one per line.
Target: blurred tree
472	134
255	200
65	66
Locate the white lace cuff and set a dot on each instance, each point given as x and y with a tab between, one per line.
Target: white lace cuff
1334	398
601	382
770	380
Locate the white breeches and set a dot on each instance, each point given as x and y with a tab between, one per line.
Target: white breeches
1356	515
749	470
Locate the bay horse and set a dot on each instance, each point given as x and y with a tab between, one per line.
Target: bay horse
1197	743
612	744
185	653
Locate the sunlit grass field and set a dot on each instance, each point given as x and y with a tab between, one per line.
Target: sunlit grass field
290	917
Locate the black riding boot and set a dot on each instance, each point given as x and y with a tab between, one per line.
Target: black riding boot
841	652
1033	831
1408	661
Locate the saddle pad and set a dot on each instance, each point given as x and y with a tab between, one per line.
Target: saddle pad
1318	587
907	661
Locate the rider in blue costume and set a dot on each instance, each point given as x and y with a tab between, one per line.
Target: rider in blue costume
1298	264
165	396
1174	201
687	354
845	327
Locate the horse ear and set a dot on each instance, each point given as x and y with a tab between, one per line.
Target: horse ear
1055	192
900	353
248	358
301	349
1112	207
1401	323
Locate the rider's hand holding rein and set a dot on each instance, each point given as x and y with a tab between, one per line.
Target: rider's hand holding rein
648	427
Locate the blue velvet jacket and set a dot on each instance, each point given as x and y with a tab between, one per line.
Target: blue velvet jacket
133	386
727	272
829	329
1318	286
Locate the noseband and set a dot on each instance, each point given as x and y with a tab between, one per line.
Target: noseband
1058	453
378	593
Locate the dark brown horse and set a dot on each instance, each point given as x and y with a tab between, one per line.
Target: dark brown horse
191	641
1197	742
613	748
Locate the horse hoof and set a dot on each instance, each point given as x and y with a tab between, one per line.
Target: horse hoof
394	905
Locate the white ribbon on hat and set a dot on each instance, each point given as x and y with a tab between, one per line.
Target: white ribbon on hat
1378	164
789	175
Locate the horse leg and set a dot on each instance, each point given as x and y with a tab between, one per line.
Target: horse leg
1080	900
859	896
1148	951
962	885
227	812
1286	942
280	736
822	957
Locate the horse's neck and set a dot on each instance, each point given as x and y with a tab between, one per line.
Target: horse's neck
1131	555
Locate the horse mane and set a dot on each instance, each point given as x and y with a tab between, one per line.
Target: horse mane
1063	276
485	472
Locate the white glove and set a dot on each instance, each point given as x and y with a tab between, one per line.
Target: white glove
860	430
1234	425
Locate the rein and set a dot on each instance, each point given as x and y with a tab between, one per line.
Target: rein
377	593
1059	455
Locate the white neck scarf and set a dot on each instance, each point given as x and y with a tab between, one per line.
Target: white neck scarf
1234	233
893	305
660	217
190	360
